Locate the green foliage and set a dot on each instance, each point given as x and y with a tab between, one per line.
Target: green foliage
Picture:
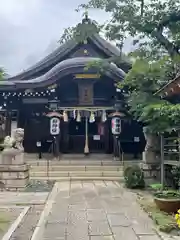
142	81
168	194
176	175
154	25
148	74
164	222
152	22
67	35
134	177
156	186
81	31
2	74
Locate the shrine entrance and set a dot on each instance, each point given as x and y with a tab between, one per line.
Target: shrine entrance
77	136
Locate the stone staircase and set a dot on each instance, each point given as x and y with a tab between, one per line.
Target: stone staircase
74	172
67	168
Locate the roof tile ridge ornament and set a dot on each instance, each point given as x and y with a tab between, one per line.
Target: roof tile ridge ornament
86	18
86	15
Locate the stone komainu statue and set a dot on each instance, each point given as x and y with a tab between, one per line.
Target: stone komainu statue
15	142
18	137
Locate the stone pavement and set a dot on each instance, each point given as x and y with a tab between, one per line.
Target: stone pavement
30	198
97	210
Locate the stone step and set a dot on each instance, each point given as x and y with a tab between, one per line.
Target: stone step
73	163
85	178
92	156
76	174
70	168
81	163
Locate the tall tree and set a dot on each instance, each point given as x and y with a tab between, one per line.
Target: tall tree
154	22
154	26
142	82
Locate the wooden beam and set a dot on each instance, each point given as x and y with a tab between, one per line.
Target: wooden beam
170	89
87	76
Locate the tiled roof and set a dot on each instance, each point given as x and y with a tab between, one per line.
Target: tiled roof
61	52
71	65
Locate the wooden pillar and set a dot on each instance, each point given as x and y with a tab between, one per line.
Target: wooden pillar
56	146
8	123
116	150
60	137
21	117
65	137
107	137
18	119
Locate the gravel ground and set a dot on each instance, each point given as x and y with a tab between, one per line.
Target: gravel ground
27	226
7	217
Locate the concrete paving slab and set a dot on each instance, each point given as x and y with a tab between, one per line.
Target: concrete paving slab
95	211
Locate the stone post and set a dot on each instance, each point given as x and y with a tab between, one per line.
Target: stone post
151	156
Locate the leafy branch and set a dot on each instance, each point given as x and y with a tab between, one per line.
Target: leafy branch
142	81
156	20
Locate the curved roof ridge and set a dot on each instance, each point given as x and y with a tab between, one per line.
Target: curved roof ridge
68	63
60	52
62	69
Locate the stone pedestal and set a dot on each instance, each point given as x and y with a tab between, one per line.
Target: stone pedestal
148	157
14	172
12	157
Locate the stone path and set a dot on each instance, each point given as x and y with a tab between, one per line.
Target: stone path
97	210
26	228
22	198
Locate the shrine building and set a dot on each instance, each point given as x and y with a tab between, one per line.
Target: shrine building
82	98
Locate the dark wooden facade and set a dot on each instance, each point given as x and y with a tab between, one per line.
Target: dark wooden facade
60	83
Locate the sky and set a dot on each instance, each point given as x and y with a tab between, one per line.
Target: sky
30	29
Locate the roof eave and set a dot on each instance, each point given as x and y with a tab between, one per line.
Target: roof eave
168	89
60	70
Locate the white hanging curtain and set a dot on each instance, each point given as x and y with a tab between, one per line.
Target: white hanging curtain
65	116
92	117
104	116
74	114
78	119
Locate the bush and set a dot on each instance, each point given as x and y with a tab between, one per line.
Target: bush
175	171
134	177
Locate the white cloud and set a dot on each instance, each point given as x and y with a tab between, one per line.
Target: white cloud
31	28
19	10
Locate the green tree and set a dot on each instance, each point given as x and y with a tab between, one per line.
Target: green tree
154	26
67	35
142	82
2	74
151	23
81	31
